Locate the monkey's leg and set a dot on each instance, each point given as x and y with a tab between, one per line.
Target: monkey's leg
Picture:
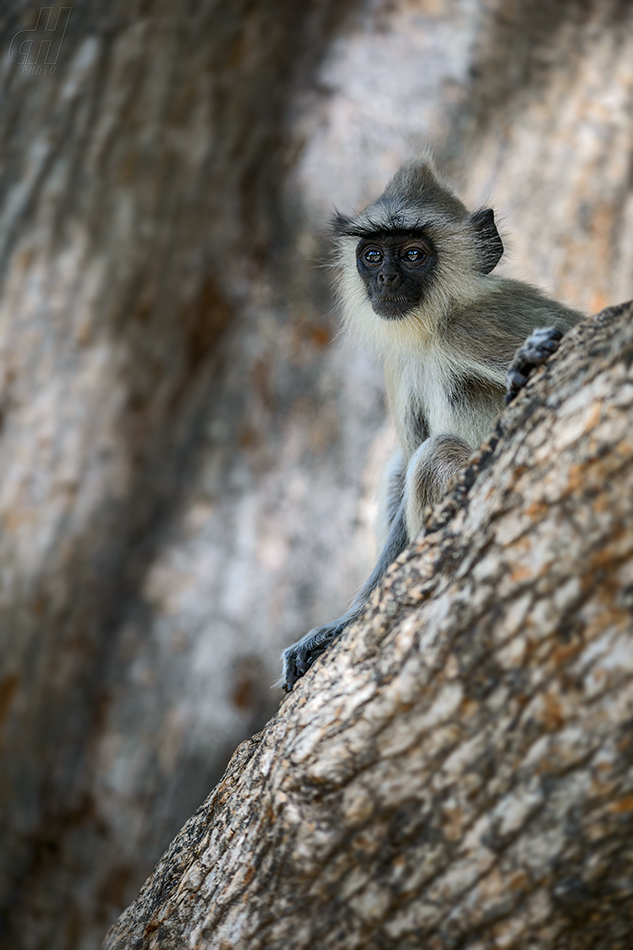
428	473
298	658
538	347
389	496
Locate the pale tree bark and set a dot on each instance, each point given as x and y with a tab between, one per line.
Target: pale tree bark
457	771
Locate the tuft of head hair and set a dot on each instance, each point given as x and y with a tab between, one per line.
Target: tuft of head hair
413	198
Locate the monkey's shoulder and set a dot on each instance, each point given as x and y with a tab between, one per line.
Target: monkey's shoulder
512	303
495	323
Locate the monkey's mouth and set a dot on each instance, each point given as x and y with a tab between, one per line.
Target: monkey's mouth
392	306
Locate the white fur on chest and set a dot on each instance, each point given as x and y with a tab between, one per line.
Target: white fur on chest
425	383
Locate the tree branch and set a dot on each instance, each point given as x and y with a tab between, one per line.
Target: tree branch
457	770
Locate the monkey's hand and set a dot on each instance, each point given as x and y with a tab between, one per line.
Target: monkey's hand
298	658
538	347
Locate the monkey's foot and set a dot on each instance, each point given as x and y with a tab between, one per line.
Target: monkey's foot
538	347
298	658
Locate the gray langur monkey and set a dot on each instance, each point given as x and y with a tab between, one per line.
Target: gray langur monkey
416	282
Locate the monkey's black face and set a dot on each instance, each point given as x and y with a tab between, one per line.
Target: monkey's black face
396	268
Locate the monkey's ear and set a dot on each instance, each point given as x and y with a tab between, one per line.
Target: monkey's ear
488	240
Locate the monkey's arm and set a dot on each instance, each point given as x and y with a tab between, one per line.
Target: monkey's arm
298	658
538	347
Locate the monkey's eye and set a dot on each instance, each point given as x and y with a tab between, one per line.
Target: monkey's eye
372	255
414	255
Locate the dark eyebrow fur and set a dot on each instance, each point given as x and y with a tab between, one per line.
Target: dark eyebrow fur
410	234
343	226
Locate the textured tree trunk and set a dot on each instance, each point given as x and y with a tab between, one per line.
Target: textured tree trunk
457	771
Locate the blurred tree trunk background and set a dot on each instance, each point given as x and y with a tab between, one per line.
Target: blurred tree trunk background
188	455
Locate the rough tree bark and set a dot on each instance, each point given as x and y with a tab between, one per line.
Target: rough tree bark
457	771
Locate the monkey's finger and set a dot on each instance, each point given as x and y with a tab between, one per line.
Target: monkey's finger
536	350
538	356
548	346
290	673
546	333
303	662
516	380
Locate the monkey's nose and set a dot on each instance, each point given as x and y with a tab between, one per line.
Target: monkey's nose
389	279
